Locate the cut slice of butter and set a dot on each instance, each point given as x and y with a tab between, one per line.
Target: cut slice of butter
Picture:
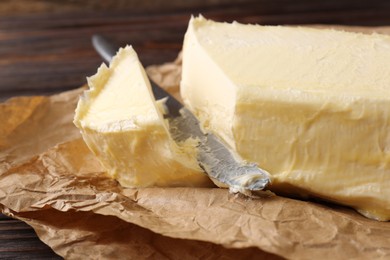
310	106
124	127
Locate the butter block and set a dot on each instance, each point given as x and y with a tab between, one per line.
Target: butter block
310	106
123	126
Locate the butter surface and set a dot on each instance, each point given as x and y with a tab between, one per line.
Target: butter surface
124	127
310	106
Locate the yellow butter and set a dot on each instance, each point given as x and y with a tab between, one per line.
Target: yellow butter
124	127
310	106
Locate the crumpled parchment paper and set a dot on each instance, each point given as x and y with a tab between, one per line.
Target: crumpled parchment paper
50	180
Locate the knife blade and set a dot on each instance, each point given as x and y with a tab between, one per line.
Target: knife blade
223	165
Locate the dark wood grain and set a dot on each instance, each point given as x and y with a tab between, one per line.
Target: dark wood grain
45	48
19	241
51	52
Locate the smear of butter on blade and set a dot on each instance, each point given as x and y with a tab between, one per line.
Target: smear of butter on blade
124	127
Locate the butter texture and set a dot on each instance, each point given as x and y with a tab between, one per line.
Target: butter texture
123	126
310	106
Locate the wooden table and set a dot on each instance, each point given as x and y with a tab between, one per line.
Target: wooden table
45	48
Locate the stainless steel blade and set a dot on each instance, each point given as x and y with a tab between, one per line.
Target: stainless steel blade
216	158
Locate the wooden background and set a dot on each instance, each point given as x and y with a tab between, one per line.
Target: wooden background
45	45
45	48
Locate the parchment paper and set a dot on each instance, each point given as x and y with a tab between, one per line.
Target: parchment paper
50	180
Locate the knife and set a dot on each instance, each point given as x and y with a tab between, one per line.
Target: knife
223	165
